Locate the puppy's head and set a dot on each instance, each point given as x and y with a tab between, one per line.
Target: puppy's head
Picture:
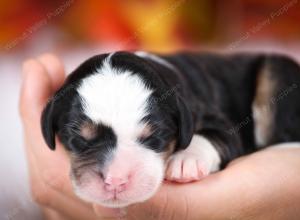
119	121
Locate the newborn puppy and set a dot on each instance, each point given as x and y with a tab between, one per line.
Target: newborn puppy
129	120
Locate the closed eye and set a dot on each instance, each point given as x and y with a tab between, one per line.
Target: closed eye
88	136
154	142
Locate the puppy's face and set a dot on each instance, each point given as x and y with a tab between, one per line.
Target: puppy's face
111	117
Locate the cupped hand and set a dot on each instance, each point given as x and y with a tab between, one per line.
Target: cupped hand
48	170
264	185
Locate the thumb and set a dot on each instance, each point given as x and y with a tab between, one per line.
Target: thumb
36	88
54	68
41	77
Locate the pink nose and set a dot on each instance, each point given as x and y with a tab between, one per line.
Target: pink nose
115	184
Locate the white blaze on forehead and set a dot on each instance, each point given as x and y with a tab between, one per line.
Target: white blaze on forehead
115	97
119	99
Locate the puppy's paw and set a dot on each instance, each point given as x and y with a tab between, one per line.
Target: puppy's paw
184	167
198	160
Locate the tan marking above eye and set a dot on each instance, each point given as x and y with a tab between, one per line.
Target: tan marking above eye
146	132
88	130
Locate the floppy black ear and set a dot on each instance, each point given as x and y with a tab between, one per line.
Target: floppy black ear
185	124
48	124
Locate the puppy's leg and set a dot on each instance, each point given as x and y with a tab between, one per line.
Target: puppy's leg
195	162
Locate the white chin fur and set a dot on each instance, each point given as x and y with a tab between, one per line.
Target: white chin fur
148	169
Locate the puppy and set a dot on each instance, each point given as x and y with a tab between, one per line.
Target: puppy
131	119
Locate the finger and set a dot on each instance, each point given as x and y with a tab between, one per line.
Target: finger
49	168
48	197
168	203
109	213
53	166
36	88
35	91
180	201
55	69
40	78
75	209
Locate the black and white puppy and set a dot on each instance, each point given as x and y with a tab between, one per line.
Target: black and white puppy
129	120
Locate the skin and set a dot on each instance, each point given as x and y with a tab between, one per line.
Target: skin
264	185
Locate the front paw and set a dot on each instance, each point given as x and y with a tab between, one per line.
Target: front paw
183	167
198	160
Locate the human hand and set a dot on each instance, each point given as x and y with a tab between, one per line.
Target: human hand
264	185
260	186
49	170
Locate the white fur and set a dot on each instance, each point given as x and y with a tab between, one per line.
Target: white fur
146	171
286	145
119	100
195	162
116	99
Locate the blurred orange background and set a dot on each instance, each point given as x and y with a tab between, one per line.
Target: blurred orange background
155	25
75	30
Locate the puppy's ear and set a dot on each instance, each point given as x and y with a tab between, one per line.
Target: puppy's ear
185	124
48	124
